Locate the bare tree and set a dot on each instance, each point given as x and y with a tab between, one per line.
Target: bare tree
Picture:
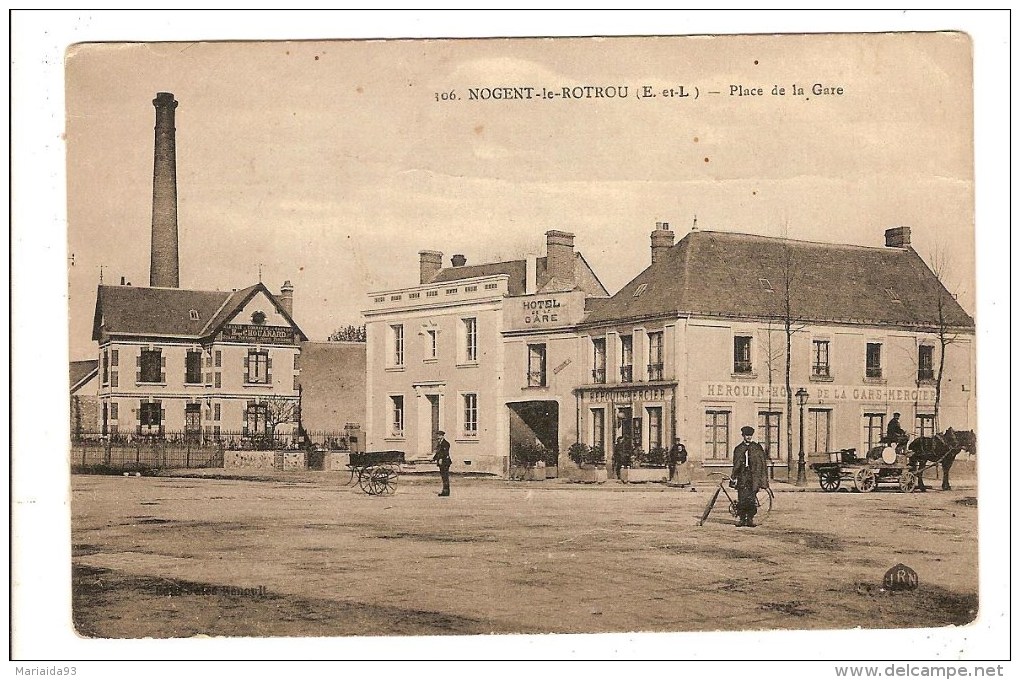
348	333
944	330
279	410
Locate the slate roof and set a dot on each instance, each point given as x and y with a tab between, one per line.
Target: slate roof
725	274
82	371
166	312
517	270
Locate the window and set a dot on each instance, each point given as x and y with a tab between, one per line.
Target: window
255	420
194	314
256	366
397	416
413	296
114	411
114	363
768	432
397	354
150	366
470	415
471	340
766	285
106	367
218	379
598	428
432	343
925	363
297	361
820	358
717	434
655	355
218	358
654	427
431	293
491	286
873	360
193	368
150	415
598	371
216	412
741	354
924	423
104	428
451	291
640	289
874	430
626	358
536	365
818	426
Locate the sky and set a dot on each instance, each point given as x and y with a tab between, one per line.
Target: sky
331	164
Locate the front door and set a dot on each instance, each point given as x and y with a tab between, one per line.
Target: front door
193	421
434	404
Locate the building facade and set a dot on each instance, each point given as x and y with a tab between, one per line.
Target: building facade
483	352
197	363
695	347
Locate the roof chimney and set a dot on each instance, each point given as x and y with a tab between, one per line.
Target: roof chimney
163	264
458	260
662	240
897	237
287	297
559	253
430	262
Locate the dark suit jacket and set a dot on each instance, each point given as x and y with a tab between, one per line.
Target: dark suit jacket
750	467
442	457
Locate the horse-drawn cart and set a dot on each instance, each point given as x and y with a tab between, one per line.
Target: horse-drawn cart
376	472
865	474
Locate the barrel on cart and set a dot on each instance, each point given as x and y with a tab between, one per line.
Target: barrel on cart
845	467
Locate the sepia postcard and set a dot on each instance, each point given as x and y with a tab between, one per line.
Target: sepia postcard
440	343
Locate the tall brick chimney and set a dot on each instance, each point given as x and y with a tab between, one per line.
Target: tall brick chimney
287	297
897	237
662	240
430	262
559	253
163	265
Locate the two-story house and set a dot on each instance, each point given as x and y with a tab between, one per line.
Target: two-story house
479	352
196	363
695	347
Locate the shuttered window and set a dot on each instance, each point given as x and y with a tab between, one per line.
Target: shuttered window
151	365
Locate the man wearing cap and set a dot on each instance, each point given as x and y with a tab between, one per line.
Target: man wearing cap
895	435
749	475
443	460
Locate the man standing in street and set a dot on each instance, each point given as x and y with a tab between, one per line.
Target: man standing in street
749	475
443	460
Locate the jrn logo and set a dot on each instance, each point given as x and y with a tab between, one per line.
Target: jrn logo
900	577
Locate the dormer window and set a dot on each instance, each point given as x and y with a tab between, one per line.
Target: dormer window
194	314
766	285
640	289
892	295
258	318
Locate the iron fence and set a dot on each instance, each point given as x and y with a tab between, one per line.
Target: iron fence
120	452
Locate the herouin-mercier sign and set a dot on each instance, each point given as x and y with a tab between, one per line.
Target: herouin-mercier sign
737	390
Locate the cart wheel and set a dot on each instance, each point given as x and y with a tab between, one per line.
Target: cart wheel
733	508
908	480
385	480
865	480
765	499
365	480
829	480
370	481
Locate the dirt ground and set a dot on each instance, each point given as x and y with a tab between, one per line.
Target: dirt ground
167	557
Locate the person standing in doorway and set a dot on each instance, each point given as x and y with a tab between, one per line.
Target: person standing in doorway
677	454
443	460
749	475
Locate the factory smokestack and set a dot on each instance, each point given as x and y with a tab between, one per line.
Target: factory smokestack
163	265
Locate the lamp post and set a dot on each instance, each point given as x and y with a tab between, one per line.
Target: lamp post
802	397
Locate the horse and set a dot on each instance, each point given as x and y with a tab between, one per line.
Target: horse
942	449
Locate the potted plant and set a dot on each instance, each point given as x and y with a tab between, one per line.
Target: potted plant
527	461
590	460
645	466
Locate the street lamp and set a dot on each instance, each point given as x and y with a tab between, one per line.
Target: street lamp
802	397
